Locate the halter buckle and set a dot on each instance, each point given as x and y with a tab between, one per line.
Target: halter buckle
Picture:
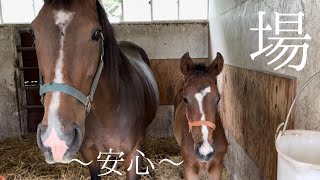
41	100
88	104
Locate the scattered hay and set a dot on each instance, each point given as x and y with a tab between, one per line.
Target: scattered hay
20	158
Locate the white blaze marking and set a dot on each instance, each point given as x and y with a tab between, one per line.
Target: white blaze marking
62	20
205	147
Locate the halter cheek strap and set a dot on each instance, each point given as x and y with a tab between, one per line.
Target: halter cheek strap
67	89
199	123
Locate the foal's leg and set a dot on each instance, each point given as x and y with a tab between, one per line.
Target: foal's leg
131	161
94	168
189	172
215	172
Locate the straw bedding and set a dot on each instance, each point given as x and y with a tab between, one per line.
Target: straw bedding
20	158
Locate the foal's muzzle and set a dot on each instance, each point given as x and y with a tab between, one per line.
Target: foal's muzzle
201	156
58	146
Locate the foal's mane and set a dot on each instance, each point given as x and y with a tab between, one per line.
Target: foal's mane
199	69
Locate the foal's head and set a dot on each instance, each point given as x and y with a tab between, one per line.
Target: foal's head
67	36
201	98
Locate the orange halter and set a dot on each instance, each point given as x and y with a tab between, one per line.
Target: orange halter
199	123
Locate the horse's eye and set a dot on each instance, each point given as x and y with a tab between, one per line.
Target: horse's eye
185	100
32	34
96	35
218	100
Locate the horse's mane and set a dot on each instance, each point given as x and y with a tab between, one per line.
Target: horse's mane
122	76
116	63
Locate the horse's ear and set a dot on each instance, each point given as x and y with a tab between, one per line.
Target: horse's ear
216	65
186	63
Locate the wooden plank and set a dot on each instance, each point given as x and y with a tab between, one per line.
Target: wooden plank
161	126
31	88
21	96
253	105
26	39
20	49
168	76
28	68
33	107
31	111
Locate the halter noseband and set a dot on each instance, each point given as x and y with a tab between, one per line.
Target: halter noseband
199	123
67	89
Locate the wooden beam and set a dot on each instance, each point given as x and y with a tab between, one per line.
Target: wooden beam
20	49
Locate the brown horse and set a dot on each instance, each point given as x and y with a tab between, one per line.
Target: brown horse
83	68
197	126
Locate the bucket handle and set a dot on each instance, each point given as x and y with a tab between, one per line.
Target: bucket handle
285	124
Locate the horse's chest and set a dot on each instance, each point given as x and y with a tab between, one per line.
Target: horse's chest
104	141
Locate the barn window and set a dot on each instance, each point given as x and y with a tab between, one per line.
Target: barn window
156	10
19	11
24	11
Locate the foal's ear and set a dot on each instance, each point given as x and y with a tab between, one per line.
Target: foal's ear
186	63
216	65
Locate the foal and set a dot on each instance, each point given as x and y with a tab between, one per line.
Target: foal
197	126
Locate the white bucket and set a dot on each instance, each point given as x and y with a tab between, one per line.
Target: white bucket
298	150
298	155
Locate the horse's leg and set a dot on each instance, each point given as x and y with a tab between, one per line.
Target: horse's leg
94	168
131	161
215	172
189	172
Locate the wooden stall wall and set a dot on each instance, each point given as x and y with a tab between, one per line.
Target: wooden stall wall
253	105
9	111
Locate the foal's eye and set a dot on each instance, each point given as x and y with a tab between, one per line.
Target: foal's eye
96	35
185	100
218	100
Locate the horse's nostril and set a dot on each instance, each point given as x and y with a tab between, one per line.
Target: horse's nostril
210	154
41	128
77	140
198	146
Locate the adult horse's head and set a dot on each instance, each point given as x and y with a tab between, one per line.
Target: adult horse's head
201	98
68	40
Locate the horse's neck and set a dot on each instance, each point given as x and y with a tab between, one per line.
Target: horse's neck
110	102
105	96
218	120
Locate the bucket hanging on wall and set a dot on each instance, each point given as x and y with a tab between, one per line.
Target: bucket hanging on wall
298	150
